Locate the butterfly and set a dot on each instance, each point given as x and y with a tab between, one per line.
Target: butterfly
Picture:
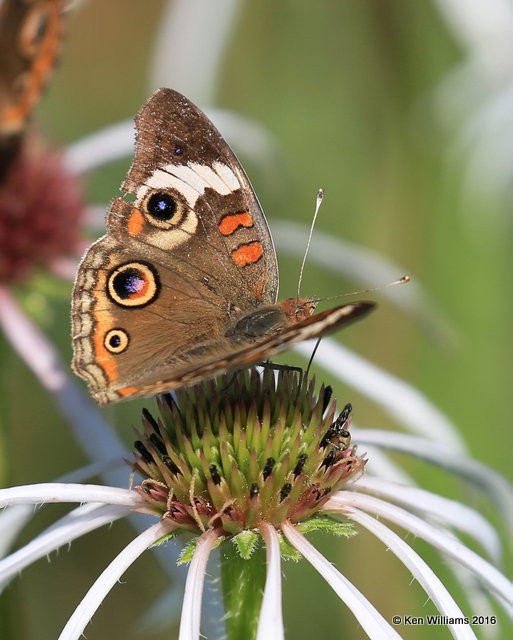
184	284
31	34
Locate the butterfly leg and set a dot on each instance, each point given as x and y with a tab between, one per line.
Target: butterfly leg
229	383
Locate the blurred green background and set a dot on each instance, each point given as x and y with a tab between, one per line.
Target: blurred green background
346	90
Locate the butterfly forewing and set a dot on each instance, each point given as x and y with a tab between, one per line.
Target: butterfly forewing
179	150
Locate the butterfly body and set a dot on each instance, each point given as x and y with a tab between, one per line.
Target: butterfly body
184	284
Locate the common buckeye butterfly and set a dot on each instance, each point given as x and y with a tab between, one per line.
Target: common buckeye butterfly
30	40
184	284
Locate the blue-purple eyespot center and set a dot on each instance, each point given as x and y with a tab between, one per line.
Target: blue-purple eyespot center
161	206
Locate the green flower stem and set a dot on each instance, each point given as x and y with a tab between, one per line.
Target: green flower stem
243	586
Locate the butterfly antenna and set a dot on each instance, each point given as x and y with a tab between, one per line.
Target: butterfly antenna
403	280
318	202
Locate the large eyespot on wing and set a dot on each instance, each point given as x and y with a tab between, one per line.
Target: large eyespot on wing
163	209
162	219
133	284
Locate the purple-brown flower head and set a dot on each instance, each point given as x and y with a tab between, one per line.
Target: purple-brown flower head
41	208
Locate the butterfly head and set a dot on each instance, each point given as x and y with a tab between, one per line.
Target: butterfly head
298	309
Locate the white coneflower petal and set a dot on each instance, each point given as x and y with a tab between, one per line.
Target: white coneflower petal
372	622
477	598
420	569
249	138
451	512
440	539
402	401
473	100
381	465
109	577
473	471
95	435
72	526
30	344
182	25
64	267
60	492
111	143
95	217
191	609
270	623
13	519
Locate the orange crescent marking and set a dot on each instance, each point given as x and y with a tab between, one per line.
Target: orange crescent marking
247	254
135	223
103	319
231	223
103	358
126	391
